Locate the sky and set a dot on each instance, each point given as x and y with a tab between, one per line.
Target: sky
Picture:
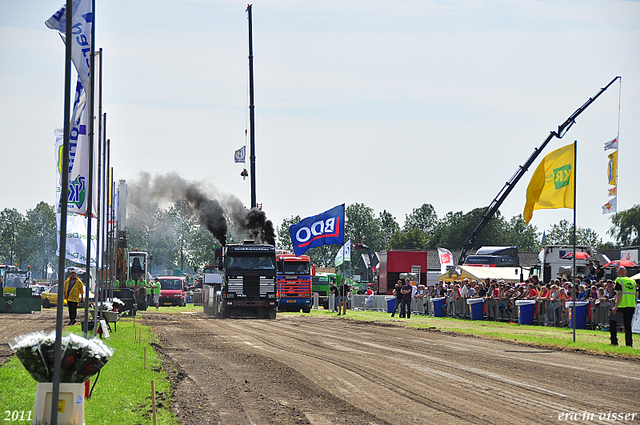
391	104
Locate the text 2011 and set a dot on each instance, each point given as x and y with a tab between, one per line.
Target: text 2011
17	415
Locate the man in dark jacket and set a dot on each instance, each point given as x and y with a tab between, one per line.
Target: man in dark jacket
406	291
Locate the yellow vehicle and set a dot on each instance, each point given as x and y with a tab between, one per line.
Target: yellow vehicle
50	298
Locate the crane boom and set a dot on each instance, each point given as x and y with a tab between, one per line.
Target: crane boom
508	187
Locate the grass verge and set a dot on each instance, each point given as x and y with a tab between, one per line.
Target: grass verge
122	394
594	342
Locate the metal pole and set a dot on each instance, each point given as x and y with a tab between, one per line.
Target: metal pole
108	203
573	287
64	198
89	208
252	155
99	246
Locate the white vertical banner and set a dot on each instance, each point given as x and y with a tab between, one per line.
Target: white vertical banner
446	259
339	256
78	166
77	239
82	20
347	250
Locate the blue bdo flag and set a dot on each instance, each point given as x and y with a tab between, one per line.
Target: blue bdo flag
322	229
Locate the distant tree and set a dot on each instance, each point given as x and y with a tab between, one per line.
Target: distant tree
423	218
388	227
323	256
455	228
40	238
153	231
562	234
517	233
361	225
202	245
184	222
282	232
11	232
408	239
626	227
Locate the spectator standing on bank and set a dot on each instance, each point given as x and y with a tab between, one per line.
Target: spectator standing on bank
344	298
419	296
464	289
149	288
406	291
156	292
624	307
333	290
73	289
398	294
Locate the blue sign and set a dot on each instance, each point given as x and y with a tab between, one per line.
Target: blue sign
322	229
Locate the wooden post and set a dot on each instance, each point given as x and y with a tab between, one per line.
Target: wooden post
153	400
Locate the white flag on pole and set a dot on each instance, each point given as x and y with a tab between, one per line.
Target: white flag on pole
347	251
446	259
611	144
611	206
82	20
78	159
240	154
339	256
77	239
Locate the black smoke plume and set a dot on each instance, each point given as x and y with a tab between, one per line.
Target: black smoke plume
210	208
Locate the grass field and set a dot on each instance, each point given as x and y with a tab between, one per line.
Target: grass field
122	394
595	342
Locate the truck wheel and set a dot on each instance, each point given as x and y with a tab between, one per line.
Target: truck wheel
45	303
307	309
272	314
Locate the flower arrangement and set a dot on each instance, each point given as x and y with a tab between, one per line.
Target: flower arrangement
109	305
81	358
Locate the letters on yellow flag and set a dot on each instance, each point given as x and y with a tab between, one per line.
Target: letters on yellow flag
551	184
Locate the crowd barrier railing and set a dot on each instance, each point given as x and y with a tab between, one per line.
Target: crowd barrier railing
547	312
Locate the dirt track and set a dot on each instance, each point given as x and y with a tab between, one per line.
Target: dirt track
330	370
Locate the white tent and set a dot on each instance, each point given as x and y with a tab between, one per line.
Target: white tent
508	274
636	277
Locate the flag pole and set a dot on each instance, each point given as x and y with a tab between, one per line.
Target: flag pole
252	154
89	207
573	287
64	198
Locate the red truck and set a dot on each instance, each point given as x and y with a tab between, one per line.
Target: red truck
294	283
397	264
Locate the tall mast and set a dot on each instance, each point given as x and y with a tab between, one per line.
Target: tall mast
252	153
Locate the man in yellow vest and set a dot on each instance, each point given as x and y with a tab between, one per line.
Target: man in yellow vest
73	289
624	307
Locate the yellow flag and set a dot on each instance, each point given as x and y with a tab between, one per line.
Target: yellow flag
612	168
551	185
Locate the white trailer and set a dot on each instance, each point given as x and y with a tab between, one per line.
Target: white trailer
556	261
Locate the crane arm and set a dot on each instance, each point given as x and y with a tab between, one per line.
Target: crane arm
508	187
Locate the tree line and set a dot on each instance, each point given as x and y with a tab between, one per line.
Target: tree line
175	238
423	229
